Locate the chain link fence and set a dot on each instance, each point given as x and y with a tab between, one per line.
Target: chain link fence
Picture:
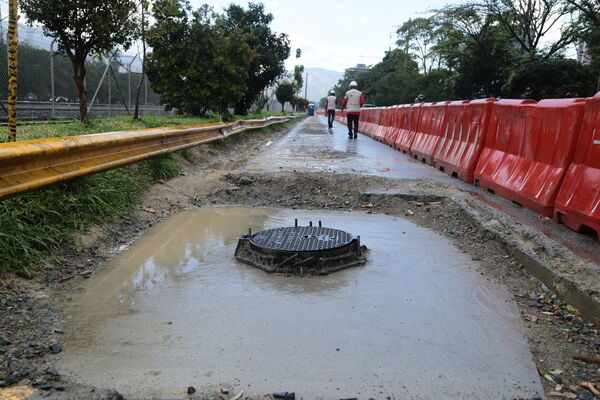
46	89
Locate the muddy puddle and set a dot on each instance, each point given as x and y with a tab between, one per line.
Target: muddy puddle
176	310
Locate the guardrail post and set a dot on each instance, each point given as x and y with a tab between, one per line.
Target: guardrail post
13	59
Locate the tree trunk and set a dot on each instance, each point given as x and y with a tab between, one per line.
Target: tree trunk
282	106
79	78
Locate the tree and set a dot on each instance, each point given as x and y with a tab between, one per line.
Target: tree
285	93
588	23
299	76
554	78
196	66
392	81
81	28
418	36
271	49
530	21
477	48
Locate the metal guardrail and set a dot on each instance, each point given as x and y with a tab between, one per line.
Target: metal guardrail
31	164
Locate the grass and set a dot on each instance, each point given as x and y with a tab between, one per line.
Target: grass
34	225
121	123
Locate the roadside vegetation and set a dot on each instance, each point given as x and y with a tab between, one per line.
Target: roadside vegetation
120	123
35	225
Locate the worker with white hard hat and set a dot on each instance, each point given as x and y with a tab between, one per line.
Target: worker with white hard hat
353	101
330	107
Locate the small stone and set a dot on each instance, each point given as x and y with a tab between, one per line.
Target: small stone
4	342
52	371
46	387
3	384
191	390
55	348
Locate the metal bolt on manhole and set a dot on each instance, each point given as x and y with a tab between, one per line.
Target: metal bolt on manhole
301	250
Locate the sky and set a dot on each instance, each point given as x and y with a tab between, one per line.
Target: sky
336	34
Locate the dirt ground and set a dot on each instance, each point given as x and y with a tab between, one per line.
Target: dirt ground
30	310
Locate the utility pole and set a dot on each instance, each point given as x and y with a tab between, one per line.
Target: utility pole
306	88
13	64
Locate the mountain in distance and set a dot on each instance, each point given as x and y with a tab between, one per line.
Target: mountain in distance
320	82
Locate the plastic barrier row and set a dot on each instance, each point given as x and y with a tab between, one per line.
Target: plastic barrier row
542	155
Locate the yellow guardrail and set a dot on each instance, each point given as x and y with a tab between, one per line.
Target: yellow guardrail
31	164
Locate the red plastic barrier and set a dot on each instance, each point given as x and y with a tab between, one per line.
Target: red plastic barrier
365	120
406	134
384	123
578	202
429	132
463	137
528	148
398	123
375	121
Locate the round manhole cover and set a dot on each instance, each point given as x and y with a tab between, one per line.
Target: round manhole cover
301	238
301	250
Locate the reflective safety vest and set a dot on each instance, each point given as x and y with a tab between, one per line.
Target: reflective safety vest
353	104
331	102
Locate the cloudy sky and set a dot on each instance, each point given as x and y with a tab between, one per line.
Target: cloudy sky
339	34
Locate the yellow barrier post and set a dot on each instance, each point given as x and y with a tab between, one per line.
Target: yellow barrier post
13	48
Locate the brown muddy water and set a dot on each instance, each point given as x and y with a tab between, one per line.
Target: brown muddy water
418	321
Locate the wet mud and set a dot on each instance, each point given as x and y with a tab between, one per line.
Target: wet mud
176	309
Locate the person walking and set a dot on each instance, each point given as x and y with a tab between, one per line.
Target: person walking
420	98
353	101
330	107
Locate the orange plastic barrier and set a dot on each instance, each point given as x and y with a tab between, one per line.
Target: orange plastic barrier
384	123
429	132
368	121
462	138
365	125
578	202
396	120
406	133
528	148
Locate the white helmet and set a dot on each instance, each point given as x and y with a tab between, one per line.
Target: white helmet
353	84
332	92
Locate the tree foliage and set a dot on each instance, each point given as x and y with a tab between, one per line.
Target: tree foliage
196	65
270	49
285	93
207	61
83	27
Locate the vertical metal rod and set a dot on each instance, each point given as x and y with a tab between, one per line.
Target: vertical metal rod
320	225
109	93
129	85
296	223
249	231
310	223
53	116
13	65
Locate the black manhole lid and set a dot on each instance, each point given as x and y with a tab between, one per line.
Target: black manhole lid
301	238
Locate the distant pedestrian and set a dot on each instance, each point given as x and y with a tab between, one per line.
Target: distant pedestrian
420	98
330	107
353	101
